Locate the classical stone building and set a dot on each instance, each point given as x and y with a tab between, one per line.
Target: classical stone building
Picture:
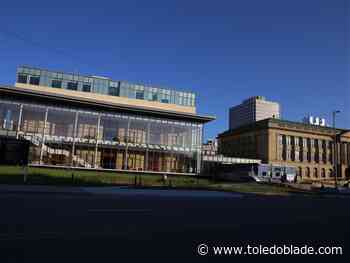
307	147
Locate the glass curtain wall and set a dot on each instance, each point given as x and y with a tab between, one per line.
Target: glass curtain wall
85	140
71	137
57	148
101	85
9	115
32	126
113	141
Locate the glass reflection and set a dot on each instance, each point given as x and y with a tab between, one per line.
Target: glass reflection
71	137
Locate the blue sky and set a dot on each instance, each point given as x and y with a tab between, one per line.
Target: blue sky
294	52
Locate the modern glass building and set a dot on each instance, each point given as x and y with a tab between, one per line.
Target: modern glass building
102	85
97	123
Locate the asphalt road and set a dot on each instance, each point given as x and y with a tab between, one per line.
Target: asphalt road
85	227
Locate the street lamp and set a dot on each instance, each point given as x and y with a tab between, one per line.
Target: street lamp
335	153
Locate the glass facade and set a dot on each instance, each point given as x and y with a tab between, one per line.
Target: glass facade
28	75
75	137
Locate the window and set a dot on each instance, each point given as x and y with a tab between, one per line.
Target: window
165	101
114	91
22	78
72	85
86	87
140	95
155	97
56	83
34	80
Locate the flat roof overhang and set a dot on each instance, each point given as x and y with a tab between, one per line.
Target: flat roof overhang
11	92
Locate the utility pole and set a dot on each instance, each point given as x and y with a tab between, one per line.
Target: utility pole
335	152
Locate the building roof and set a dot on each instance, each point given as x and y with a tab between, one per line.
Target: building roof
284	124
12	92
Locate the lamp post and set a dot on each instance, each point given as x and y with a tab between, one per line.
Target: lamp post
335	153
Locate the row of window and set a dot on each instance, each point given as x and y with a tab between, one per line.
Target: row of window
311	150
300	156
103	86
113	91
315	173
304	142
70	85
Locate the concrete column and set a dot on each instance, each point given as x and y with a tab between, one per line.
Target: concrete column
43	137
344	153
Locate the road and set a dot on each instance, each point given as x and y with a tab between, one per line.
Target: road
84	227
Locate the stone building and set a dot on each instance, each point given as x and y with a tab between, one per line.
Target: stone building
307	147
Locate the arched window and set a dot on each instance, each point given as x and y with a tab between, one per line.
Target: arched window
300	172
323	173
315	173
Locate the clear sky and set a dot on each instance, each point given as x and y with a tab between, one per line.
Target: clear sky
293	52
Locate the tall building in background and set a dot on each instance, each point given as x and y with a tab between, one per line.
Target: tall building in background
94	122
251	110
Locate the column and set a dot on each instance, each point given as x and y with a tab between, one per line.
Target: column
97	139
43	136
126	148
147	143
199	148
19	120
74	135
